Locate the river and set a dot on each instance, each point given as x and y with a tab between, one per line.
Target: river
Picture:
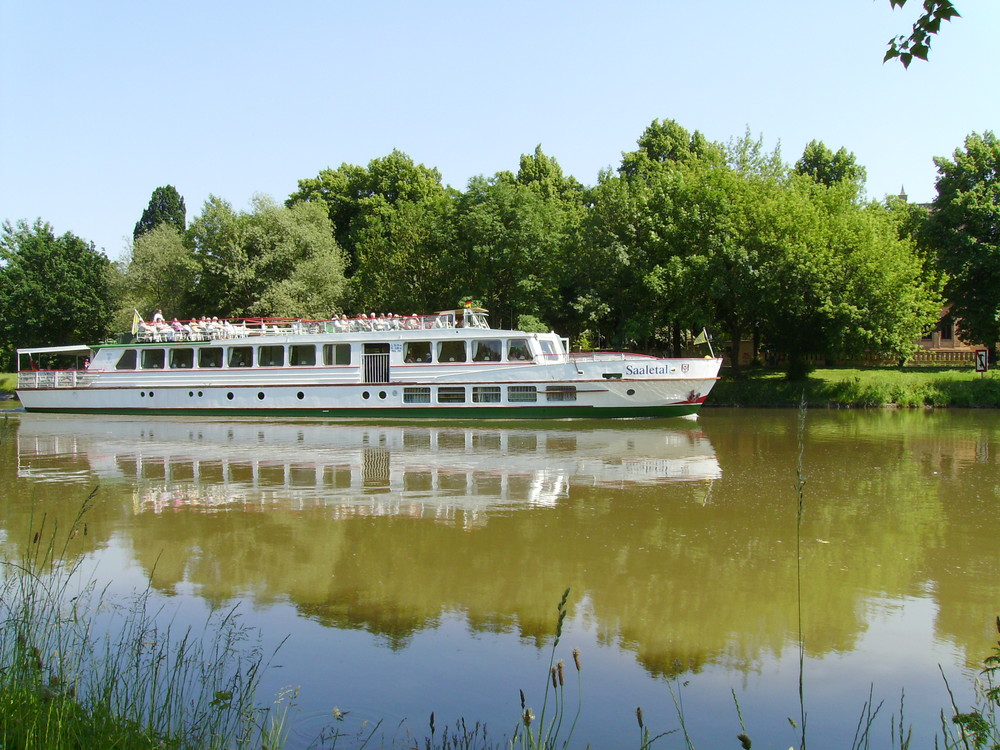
411	569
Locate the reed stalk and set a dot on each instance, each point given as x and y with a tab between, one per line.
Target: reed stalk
80	669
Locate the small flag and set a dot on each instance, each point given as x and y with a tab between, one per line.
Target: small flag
701	338
136	320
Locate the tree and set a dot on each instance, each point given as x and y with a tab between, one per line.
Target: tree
161	271
166	206
828	168
271	261
349	194
964	230
53	290
928	24
847	283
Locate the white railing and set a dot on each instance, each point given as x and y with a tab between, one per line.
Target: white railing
54	379
245	327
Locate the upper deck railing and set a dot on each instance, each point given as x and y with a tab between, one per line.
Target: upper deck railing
209	329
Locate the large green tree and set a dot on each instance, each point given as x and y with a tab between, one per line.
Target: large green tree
53	290
351	193
517	243
160	272
166	206
846	283
270	261
964	230
827	167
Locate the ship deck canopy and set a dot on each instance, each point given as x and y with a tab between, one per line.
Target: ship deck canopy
81	350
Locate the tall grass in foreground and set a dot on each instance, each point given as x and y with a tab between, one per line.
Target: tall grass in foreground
80	670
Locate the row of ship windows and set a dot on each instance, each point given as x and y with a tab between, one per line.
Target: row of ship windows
306	355
455	394
487	394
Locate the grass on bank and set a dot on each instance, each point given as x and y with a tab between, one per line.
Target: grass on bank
860	387
81	670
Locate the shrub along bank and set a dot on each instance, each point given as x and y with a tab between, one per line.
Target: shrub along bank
860	387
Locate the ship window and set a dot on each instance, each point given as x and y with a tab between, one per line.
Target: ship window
486	350
127	360
336	354
416	395
301	355
521	393
271	356
181	359
241	356
151	359
486	394
451	394
210	356
417	351
547	347
451	351
560	393
517	350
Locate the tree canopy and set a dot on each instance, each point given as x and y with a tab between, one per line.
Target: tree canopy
685	233
53	290
964	229
166	206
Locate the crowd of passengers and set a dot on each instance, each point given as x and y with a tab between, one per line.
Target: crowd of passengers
205	328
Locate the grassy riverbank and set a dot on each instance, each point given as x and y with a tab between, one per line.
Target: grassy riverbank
861	387
80	670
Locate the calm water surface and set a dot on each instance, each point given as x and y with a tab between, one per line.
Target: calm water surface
417	569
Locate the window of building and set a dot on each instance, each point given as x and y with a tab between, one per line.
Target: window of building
947	328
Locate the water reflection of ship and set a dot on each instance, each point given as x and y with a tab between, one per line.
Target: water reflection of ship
357	469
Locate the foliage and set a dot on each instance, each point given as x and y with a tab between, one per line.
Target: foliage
401	249
862	388
271	261
159	272
964	229
351	194
166	206
53	290
848	283
827	167
928	24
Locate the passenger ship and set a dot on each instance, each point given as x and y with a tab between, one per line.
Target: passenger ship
450	365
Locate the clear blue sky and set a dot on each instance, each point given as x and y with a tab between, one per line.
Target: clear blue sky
104	101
